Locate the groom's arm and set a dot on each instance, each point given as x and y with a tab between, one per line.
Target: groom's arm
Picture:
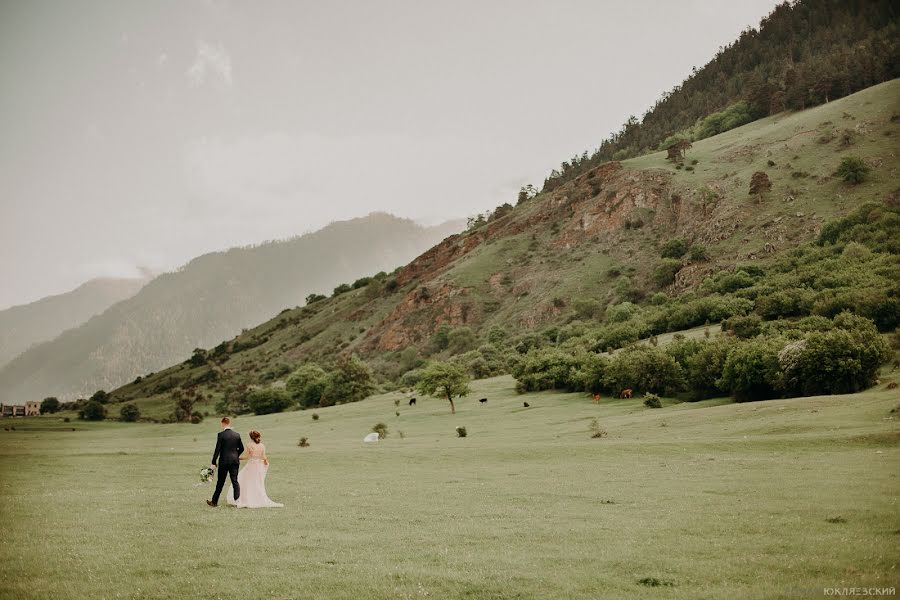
240	445
218	449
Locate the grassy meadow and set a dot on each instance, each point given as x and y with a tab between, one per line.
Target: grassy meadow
774	499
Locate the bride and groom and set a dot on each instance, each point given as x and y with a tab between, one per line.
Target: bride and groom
248	487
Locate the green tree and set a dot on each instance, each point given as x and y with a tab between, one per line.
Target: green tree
752	371
129	413
269	400
49	405
306	384
350	381
184	406
643	368
444	380
100	396
92	411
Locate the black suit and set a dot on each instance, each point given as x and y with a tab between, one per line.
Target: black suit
229	448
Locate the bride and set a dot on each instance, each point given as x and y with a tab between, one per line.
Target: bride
252	478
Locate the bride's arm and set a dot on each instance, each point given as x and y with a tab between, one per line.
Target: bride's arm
265	458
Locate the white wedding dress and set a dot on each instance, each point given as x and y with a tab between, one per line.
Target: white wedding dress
252	479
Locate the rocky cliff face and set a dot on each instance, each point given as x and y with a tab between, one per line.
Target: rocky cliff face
594	209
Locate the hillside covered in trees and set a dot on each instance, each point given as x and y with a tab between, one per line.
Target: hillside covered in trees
803	54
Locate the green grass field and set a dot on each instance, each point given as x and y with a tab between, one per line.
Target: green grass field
712	499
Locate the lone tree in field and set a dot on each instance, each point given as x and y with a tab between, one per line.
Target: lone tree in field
759	185
444	380
676	151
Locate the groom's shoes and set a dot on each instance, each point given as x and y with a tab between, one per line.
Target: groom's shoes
211	503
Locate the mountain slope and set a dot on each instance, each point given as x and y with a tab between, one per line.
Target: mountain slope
557	262
209	299
23	326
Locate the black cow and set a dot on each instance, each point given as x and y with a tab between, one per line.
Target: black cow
412	401
525	404
483	400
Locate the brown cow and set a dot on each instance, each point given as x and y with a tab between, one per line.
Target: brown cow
626	393
596	398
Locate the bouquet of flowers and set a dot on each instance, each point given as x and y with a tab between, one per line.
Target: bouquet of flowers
206	474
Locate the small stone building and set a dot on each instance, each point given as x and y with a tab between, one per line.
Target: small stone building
13	410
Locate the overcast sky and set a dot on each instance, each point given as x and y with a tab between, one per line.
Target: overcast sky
145	133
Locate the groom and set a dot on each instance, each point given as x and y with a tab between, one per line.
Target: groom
229	446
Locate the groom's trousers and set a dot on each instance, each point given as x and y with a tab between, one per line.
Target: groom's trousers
230	470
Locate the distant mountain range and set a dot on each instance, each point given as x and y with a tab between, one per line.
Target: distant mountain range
211	298
23	326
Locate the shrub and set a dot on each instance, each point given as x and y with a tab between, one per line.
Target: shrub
306	384
596	430
697	253
50	405
461	339
840	361
590	376
461	431
760	184
100	396
92	411
304	442
703	369
744	327
315	416
751	370
652	401
196	418
619	313
674	248
853	170
268	401
381	429
129	413
548	369
793	302
659	299
726	282
643	369
665	271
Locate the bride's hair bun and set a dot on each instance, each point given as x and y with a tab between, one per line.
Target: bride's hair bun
254	435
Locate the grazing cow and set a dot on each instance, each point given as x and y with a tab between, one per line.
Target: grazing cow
525	404
412	401
626	393
596	398
483	400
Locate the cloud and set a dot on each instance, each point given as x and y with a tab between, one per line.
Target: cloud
211	60
280	177
162	59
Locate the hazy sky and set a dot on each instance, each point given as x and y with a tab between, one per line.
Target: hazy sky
145	133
